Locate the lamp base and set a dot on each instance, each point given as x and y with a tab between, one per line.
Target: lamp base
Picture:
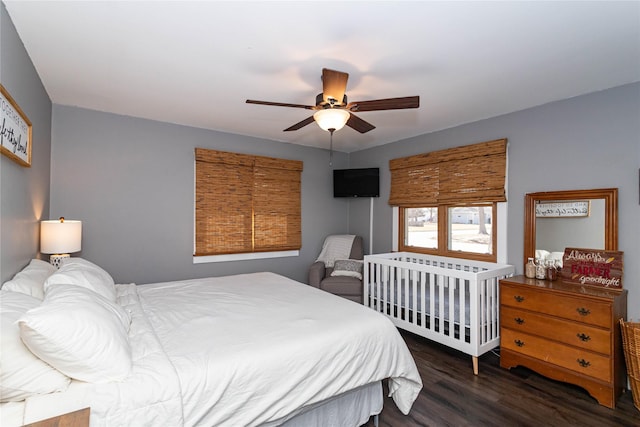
56	259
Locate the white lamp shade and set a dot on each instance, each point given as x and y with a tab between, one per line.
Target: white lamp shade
60	236
331	118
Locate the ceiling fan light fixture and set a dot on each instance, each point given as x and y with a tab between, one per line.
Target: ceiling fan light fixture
331	118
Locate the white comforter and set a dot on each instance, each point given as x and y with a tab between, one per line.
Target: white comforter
241	350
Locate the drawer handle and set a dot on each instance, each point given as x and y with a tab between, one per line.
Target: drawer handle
584	337
584	363
518	298
519	321
583	311
519	343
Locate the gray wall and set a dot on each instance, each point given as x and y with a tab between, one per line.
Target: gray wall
24	192
591	141
131	182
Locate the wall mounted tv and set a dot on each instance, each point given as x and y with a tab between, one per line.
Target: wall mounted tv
356	182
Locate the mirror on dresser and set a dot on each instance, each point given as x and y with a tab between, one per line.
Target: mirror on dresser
555	220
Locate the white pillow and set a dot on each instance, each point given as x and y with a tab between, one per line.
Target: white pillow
80	333
22	374
30	280
80	272
348	267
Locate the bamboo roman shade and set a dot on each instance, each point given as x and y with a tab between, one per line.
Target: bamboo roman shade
469	174
246	203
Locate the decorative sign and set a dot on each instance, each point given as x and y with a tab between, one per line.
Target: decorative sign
15	130
593	267
562	209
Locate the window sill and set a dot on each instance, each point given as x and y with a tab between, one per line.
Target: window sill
243	257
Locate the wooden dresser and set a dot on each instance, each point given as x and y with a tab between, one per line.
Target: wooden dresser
566	332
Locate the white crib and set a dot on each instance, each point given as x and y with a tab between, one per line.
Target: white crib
423	293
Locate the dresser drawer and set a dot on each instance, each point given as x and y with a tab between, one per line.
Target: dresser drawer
577	360
568	332
573	308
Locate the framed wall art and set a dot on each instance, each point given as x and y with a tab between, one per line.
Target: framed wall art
562	209
15	130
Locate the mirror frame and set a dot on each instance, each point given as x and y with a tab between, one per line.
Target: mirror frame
610	196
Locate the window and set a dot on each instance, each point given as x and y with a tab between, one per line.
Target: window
455	231
420	227
469	229
246	203
448	199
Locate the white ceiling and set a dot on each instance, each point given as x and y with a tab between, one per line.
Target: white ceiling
196	62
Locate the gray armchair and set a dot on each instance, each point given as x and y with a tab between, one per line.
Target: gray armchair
347	286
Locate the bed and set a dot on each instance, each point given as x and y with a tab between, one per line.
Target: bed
452	301
247	350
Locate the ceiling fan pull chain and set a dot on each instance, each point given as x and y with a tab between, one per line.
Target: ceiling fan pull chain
331	147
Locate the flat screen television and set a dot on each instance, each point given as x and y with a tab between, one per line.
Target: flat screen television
363	182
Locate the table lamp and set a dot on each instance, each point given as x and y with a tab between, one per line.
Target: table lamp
59	238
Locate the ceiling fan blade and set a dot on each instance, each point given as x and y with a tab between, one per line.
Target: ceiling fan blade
334	84
300	124
281	104
385	104
358	124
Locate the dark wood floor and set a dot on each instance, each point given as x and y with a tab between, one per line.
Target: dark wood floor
453	396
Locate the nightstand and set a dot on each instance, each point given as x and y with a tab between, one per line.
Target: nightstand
72	419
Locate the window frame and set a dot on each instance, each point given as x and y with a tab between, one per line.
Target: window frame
443	233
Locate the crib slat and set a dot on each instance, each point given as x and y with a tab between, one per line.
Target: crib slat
392	285
398	291
378	282
423	291
380	289
482	290
432	300
450	301
379	296
462	304
406	274
365	285
492	308
443	281
475	323
401	290
488	330
414	297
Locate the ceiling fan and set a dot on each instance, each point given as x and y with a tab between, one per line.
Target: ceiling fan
333	111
